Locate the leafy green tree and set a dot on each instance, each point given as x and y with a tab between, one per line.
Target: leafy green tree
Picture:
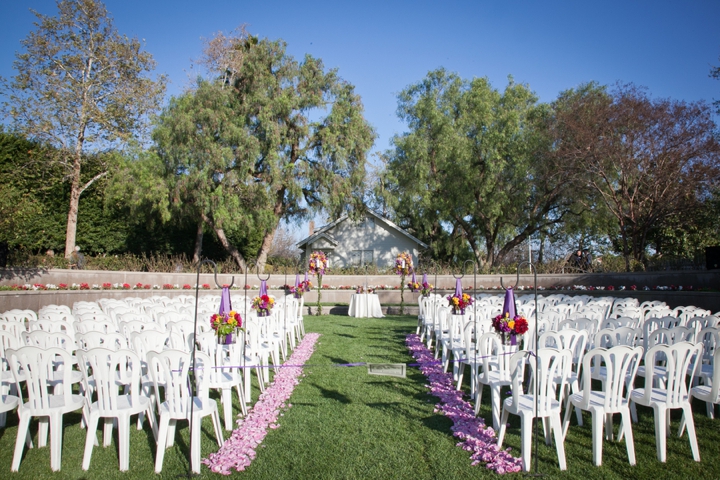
82	88
266	138
475	162
647	161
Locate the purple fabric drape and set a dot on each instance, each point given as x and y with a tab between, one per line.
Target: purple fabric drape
413	277
225	305
458	288
297	279
263	287
424	278
509	304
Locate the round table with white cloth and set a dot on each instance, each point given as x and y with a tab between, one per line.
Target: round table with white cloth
365	305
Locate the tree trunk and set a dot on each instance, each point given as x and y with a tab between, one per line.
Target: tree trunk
198	242
265	249
71	231
234	253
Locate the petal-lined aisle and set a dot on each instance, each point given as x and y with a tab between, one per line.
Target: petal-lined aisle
477	438
239	450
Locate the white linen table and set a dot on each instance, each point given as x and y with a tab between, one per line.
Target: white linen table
365	305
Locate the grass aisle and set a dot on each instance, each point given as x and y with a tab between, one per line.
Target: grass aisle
345	424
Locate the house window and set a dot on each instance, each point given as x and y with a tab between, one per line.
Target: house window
362	257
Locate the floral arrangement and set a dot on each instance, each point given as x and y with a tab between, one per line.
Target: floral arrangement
414	286
426	289
362	289
225	324
308	285
316	266
300	289
514	326
403	264
318	263
460	302
263	304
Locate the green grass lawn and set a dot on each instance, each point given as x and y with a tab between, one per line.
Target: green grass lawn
346	424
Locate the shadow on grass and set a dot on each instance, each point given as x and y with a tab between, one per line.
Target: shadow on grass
332	394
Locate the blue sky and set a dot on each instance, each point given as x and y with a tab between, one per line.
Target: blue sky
383	46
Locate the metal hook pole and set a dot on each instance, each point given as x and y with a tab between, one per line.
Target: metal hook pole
535	433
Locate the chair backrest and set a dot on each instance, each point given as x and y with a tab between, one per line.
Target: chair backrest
109	340
53	326
43	339
101	366
567	338
700	323
127	328
495	357
620	364
15	328
681	360
7	341
552	364
17	315
587	324
104	326
613	337
715	382
632	322
35	366
710	338
147	341
170	369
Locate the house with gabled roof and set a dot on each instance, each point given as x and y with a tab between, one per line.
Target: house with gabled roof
371	240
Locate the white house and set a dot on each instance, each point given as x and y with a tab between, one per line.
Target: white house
372	240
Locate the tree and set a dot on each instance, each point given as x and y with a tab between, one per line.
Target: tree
474	163
81	87
648	161
266	138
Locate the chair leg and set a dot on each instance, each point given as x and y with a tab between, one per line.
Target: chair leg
597	435
162	442
503	427
554	421
626	428
22	434
566	418
218	428
227	408
90	439
660	432
496	402
55	442
478	397
124	443
195	444
526	437
241	397
690	423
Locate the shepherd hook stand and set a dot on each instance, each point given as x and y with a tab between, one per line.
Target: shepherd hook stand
191	374
535	432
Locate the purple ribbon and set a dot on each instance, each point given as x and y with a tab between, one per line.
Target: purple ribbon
458	288
225	305
509	304
424	278
297	280
263	287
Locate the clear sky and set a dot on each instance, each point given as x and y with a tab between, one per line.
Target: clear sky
383	46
